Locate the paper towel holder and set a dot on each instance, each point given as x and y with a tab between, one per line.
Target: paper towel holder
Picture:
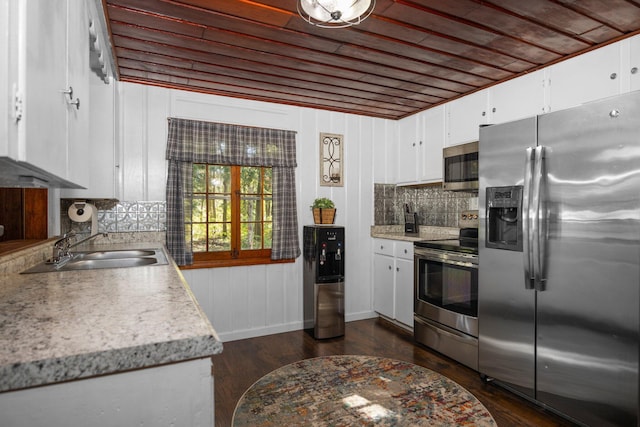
82	211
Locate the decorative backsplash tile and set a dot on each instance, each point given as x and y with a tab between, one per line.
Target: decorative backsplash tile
118	217
434	206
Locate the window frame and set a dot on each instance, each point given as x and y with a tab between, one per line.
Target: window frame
235	256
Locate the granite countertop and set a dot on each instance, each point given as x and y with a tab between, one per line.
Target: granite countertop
425	232
70	325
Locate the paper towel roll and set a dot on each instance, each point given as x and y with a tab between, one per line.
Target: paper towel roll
83	212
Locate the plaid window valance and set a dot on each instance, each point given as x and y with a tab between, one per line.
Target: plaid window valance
193	141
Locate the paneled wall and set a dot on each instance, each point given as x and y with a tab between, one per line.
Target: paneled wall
250	301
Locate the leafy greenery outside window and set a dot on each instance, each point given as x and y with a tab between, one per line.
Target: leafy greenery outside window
231	214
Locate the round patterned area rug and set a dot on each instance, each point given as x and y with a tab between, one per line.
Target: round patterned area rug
358	391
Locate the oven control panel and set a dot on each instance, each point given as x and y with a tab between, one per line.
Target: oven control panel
468	219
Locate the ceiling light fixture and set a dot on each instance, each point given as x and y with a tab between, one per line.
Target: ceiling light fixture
335	13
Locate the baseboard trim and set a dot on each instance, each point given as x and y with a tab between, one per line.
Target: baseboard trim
285	327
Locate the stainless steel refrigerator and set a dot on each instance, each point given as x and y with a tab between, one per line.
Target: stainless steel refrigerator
559	259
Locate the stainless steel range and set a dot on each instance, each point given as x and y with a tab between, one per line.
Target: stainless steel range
446	294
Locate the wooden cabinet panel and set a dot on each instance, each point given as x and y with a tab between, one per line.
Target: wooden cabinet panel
23	212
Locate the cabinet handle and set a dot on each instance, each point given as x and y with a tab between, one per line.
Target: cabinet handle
76	103
389	267
405	251
634	70
381	247
613	76
68	92
397	268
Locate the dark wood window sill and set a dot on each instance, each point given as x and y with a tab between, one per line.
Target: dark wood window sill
233	263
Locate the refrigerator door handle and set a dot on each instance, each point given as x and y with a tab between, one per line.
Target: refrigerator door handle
539	217
527	214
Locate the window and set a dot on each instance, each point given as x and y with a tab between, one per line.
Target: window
231	194
231	214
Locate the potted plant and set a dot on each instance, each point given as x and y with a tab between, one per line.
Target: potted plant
324	211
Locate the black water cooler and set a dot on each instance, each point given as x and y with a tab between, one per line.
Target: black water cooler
323	293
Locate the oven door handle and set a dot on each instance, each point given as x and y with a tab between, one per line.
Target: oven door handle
438	259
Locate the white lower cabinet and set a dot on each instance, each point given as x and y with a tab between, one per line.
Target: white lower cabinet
178	394
393	280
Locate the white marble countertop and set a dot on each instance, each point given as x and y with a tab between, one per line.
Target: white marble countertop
70	325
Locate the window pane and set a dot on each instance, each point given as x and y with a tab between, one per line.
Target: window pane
251	235
199	178
267	235
199	233
250	180
198	209
268	189
268	213
219	208
219	179
219	237
250	209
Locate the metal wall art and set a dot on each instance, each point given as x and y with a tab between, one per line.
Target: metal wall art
331	167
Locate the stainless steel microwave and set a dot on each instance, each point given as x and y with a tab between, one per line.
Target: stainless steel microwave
460	167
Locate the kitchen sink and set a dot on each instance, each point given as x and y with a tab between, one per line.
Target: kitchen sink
103	259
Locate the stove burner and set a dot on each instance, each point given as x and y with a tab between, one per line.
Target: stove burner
467	242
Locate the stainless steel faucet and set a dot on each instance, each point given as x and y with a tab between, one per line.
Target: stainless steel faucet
61	247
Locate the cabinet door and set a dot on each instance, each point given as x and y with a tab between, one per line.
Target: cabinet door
518	98
464	117
634	68
404	292
383	246
434	140
408	143
585	78
43	77
78	78
8	77
383	287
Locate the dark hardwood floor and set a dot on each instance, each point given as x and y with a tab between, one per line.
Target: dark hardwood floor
245	361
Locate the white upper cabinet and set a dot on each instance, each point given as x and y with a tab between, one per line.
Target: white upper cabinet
42	80
517	98
593	75
78	77
433	143
8	76
634	63
409	141
421	139
47	44
464	117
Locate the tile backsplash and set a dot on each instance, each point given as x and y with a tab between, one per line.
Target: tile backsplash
434	206
118	217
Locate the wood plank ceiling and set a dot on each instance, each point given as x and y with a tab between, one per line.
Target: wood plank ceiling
408	56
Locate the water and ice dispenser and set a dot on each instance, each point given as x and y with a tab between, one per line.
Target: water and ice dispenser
504	218
323	293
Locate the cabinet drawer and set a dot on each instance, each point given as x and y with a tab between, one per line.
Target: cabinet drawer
383	246
404	250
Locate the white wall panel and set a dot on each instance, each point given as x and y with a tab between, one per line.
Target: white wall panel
158	107
242	302
133	128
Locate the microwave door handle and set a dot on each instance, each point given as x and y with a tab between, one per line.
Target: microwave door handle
538	231
526	219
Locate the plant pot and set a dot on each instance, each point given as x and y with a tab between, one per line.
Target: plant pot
324	215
